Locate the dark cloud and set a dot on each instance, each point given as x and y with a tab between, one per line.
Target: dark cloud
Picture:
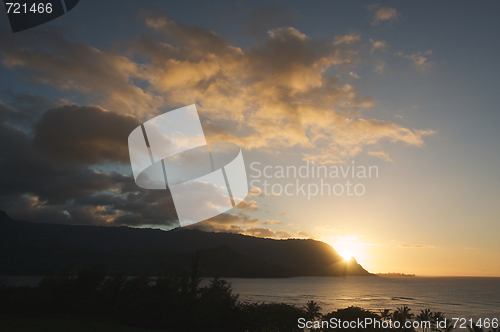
226	222
84	135
49	176
23	110
240	223
23	170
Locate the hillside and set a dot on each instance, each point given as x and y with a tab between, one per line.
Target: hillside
28	248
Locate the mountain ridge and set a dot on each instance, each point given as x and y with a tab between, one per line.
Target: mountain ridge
39	249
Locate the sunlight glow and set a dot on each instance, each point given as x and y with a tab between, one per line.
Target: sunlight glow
346	257
349	247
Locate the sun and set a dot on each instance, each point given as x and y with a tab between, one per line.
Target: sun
348	247
346	257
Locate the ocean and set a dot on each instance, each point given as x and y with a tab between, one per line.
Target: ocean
456	297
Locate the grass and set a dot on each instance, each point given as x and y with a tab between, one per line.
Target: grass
63	324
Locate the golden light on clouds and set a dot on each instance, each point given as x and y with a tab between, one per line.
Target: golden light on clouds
283	92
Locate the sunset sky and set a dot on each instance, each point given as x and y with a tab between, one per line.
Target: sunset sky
409	87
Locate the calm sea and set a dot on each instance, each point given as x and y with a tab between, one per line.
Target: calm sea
465	297
455	297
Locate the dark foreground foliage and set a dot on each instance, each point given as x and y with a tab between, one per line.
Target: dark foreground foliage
174	303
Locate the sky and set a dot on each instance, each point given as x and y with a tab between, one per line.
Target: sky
406	89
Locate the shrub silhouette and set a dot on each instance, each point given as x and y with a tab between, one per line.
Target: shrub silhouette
352	314
174	302
271	317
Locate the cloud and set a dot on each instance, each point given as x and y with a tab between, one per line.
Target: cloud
267	233
256	193
377	45
381	14
241	223
248	205
282	92
261	19
353	74
24	171
417	246
286	34
102	209
45	56
226	222
238	223
379	67
381	154
39	183
272	222
74	134
419	60
24	110
306	235
347	39
368	132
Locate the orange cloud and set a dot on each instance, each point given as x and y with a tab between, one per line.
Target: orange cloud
240	224
283	92
381	154
248	205
306	235
377	45
381	14
419	59
272	222
347	39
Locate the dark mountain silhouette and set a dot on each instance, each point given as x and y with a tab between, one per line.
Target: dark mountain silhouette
28	248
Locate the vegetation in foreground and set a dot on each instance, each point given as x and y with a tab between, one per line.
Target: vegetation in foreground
91	301
63	323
